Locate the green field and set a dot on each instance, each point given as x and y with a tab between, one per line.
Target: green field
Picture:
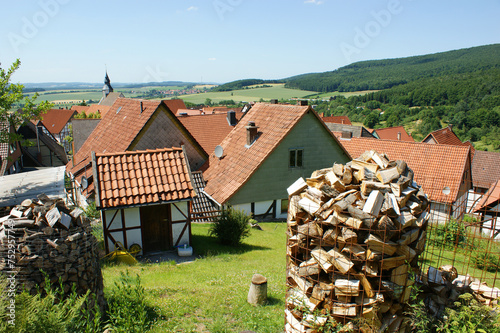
277	91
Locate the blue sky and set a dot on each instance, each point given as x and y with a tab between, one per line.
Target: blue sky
225	40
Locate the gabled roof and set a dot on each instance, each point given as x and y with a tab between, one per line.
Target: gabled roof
55	119
209	129
188	112
435	166
337	120
116	132
485	168
392	133
142	177
220	109
444	136
227	175
490	198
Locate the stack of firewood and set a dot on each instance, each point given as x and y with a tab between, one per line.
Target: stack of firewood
355	232
44	238
442	286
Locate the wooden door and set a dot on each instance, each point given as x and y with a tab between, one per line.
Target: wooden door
156	225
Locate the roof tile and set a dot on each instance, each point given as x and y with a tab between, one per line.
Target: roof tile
143	186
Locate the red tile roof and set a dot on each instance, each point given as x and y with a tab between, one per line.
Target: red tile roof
209	129
337	120
490	197
142	178
94	108
175	104
391	133
220	109
55	119
485	168
225	176
435	166
444	136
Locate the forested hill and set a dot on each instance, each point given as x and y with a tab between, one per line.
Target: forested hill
384	74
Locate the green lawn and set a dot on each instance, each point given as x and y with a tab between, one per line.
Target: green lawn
209	294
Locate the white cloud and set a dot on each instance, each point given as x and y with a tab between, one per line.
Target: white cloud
192	8
314	2
212	59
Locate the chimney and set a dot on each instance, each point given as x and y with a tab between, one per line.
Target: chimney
274	101
450	126
302	103
251	132
142	108
231	118
346	135
399	136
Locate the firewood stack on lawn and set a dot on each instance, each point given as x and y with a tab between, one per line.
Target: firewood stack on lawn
354	235
43	237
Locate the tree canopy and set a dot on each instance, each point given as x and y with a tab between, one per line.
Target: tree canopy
11	96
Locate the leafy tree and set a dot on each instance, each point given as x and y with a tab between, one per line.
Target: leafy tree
371	119
11	95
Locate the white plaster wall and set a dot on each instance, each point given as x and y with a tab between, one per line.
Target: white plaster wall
176	215
176	231
439	212
247	208
118	236
262	207
134	236
117	222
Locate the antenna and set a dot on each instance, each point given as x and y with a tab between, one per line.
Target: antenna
219	151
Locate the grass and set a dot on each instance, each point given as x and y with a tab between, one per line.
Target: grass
209	295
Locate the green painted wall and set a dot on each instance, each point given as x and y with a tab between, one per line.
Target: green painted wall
274	176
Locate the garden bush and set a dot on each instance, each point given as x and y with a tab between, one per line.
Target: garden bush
451	234
231	227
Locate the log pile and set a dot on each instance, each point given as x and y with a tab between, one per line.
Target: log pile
442	286
354	235
45	235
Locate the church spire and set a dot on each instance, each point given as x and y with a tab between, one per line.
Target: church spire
107	86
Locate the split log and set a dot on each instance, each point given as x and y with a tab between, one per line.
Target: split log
308	205
298	186
344	309
386	229
368	186
344	287
388	175
374	203
399	275
377	244
341	262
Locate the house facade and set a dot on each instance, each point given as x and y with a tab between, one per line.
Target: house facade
265	153
145	198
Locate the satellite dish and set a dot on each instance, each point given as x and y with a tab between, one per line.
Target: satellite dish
219	151
446	190
85	183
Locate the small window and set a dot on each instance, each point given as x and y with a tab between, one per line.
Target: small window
296	158
284	206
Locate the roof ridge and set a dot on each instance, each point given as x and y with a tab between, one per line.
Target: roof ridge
135	152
